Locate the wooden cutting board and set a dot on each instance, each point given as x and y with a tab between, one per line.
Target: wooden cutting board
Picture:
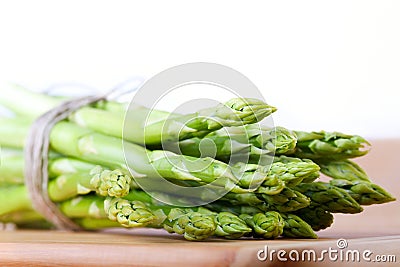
376	229
152	248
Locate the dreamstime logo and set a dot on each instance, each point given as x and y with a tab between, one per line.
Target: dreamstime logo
341	243
338	254
164	148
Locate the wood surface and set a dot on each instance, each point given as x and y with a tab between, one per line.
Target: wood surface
375	229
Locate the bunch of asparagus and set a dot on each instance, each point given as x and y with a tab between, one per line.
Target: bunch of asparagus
271	174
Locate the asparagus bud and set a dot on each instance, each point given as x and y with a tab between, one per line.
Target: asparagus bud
230	226
316	217
192	225
293	173
365	193
343	169
329	145
287	200
290	173
235	112
296	227
329	197
249	110
110	183
307	178
266	225
128	213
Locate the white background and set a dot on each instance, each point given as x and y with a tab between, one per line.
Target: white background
331	65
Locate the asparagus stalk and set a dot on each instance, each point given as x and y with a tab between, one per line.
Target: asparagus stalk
267	225
329	145
329	197
21	217
227	224
297	224
128	213
37	103
294	226
13	132
96	224
13	199
82	182
84	206
67	165
230	226
192	225
219	147
365	193
177	127
221	205
26	219
235	112
237	143
265	160
316	217
74	141
138	209
104	182
343	169
291	172
297	227
276	140
11	169
71	177
287	200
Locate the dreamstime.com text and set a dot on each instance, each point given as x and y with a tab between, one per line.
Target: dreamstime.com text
340	253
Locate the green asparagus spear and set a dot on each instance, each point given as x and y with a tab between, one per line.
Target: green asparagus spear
266	225
73	177
104	182
84	206
128	213
221	205
13	199
329	145
296	227
66	165
291	173
343	169
37	103
316	217
235	144
227	224
22	217
96	224
192	225
275	140
140	130
235	112
11	168
72	140
219	147
329	197
288	200
365	193
230	226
